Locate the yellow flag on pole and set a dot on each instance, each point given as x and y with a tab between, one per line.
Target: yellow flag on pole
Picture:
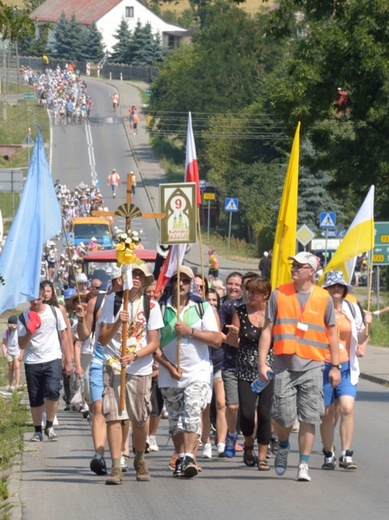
285	239
358	239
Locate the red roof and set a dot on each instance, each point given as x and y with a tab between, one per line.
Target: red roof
86	11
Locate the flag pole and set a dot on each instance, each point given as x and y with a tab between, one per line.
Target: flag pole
201	245
178	307
370	290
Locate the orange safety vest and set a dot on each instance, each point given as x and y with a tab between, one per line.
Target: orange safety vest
311	343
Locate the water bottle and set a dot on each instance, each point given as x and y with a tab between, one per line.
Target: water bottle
257	386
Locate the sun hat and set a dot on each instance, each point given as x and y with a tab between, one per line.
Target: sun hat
184	269
116	273
335	277
145	270
305	258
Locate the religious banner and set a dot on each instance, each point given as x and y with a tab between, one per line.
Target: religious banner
178	202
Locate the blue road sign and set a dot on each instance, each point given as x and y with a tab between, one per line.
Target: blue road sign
327	220
231	204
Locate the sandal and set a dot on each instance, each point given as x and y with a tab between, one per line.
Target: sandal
249	460
263	465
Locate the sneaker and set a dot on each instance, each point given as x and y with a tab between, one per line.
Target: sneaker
189	467
37	437
123	463
207	451
329	460
220	450
281	460
152	441
302	472
230	445
10	389
98	465
68	408
178	472
50	434
115	478
142	473
346	461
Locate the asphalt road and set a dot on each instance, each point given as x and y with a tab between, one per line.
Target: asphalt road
89	152
56	480
57	483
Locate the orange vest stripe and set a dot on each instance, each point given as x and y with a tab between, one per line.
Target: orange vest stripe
288	338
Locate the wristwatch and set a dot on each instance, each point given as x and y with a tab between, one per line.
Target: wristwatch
339	367
190	335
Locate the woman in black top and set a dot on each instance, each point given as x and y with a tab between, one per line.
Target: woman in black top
244	333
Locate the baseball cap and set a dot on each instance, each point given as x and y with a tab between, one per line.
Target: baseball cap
305	258
81	278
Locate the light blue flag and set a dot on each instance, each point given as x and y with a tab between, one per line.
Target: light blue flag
37	220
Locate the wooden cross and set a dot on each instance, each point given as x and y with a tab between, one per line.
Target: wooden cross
128	211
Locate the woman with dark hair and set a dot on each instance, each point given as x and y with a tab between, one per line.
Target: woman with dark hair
244	334
50	298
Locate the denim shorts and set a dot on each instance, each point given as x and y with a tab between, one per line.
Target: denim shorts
96	382
344	387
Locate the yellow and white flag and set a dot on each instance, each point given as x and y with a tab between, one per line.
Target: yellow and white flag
358	239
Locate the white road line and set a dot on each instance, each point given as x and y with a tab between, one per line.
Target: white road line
91	153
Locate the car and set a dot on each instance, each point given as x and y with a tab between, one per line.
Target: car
83	229
99	264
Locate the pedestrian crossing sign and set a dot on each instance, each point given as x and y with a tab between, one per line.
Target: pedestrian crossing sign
327	220
231	204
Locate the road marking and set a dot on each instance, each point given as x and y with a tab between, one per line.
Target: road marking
91	154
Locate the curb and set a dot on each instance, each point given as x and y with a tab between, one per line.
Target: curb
374	379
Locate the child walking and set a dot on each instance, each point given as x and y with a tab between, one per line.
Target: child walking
12	352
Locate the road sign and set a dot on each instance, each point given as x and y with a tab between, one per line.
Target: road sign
29	95
304	235
11	180
381	243
231	205
148	91
327	220
208	195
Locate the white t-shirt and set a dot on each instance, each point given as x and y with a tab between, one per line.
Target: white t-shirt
194	355
44	345
137	334
12	344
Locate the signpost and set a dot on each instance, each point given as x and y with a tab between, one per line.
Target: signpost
327	221
11	181
231	205
381	243
208	196
29	95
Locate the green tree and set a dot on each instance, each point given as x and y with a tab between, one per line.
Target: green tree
121	48
91	44
338	44
145	47
67	38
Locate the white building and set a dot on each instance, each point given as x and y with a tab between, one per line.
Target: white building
108	15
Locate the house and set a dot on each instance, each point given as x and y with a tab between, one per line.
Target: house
108	14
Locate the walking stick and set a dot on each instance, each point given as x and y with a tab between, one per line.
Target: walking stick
178	308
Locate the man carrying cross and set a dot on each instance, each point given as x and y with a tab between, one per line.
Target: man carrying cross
144	321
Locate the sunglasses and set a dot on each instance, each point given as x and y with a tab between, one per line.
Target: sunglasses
185	281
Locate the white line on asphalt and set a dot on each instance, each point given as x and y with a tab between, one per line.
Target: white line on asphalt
91	153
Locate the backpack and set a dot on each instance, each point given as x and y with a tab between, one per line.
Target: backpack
352	309
199	308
